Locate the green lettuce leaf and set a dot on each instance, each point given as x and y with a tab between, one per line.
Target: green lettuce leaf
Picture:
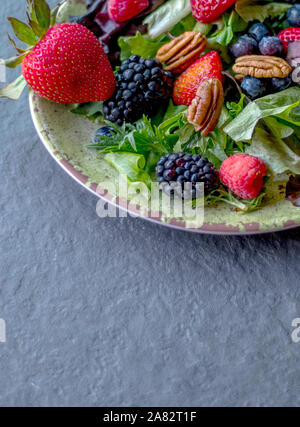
167	16
251	10
90	110
279	157
140	45
231	24
283	106
130	164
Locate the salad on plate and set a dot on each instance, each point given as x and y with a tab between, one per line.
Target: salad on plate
187	93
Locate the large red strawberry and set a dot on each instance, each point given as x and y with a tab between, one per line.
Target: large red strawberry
69	66
289	35
123	10
207	67
209	10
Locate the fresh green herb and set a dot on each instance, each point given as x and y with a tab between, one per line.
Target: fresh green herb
240	205
144	139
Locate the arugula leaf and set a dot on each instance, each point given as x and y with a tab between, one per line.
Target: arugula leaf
167	16
140	45
251	10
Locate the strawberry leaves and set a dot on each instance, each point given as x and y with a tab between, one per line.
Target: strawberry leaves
39	20
39	16
23	32
13	90
42	13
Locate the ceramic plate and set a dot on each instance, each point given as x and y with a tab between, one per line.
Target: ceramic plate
65	135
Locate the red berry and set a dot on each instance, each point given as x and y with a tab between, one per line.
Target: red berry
69	65
207	67
289	35
123	10
209	10
243	175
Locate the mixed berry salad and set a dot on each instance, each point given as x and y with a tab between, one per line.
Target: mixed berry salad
186	92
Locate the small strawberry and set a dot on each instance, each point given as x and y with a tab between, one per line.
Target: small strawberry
209	10
64	63
289	35
207	67
243	174
69	66
123	10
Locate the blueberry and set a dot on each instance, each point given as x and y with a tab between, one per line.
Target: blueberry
281	84
245	45
253	87
271	46
104	131
293	15
258	31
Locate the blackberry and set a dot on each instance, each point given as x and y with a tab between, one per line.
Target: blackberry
181	172
142	87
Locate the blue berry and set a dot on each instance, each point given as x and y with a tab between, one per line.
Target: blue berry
244	46
271	46
258	31
293	15
254	87
105	131
281	84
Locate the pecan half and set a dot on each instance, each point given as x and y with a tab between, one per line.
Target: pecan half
181	52
262	66
205	109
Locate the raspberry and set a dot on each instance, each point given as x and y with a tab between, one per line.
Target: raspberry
243	174
289	35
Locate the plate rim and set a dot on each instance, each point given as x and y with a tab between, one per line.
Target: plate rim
202	230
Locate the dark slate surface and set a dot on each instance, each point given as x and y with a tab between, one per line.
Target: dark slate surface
123	312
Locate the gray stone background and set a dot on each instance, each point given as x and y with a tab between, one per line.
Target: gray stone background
123	312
